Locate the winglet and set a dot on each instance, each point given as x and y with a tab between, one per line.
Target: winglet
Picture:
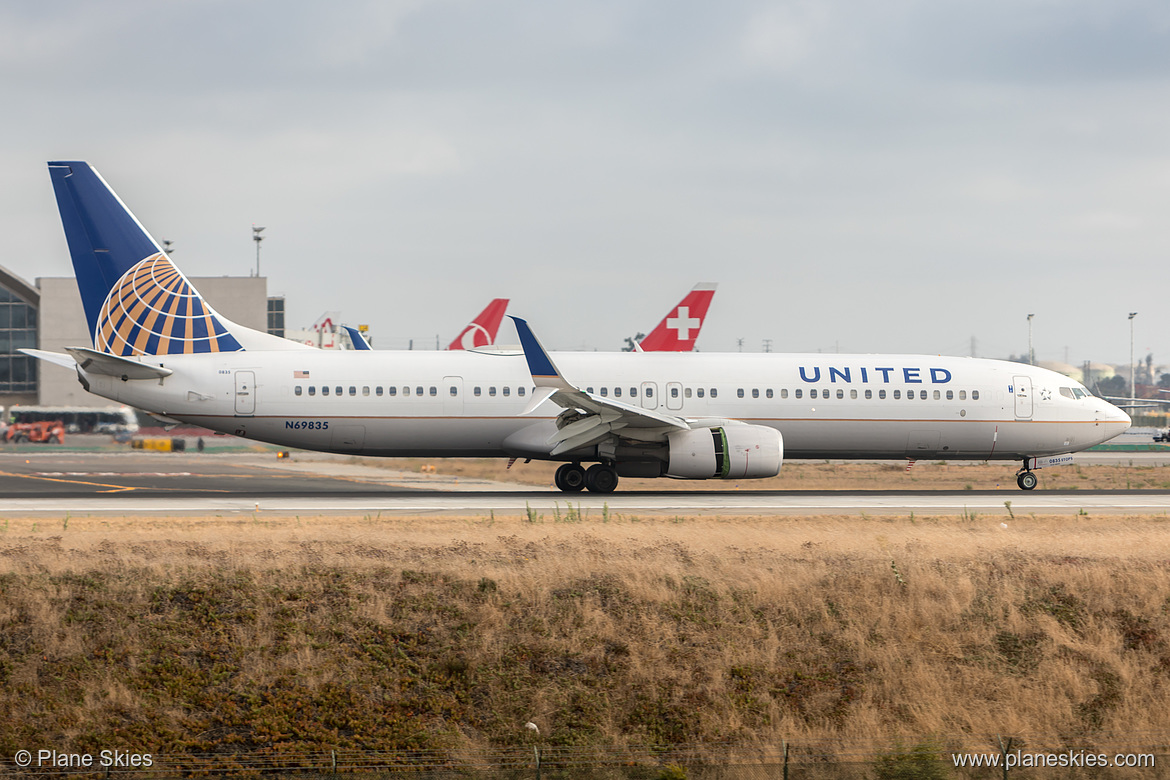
544	373
356	338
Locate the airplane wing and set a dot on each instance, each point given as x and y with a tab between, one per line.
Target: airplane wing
680	328
599	416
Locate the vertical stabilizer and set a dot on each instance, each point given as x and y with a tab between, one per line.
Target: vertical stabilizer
136	301
481	332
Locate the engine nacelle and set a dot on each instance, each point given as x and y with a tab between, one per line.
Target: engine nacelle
725	452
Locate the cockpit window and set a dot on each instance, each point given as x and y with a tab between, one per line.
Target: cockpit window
1074	392
1067	392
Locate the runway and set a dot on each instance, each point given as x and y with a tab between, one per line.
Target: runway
190	484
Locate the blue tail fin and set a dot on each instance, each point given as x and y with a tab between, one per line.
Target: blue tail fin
136	301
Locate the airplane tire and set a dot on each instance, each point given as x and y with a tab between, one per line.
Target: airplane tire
601	478
1027	480
570	478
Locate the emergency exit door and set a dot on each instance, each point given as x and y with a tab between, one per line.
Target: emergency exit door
245	392
1023	393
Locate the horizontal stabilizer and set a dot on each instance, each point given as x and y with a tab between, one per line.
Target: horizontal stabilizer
94	362
56	358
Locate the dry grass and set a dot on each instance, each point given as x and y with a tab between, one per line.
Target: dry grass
214	634
825	475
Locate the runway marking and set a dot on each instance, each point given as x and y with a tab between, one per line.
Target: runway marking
113	488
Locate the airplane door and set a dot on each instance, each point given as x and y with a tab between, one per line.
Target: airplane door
452	390
674	395
245	392
649	395
1023	391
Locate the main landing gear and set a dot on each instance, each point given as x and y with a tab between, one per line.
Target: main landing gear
1025	478
600	478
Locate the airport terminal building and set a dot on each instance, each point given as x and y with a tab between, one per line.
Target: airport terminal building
49	315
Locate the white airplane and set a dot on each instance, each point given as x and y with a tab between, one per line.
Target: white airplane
158	346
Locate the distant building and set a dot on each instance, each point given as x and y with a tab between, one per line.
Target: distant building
19	302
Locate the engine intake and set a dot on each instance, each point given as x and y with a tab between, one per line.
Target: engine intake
725	452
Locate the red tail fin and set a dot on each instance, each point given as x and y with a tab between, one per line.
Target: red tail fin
481	332
679	329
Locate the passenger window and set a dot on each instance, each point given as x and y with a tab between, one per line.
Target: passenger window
604	392
337	390
492	391
650	392
365	390
378	391
853	393
798	392
324	389
588	389
477	392
686	392
520	391
868	394
784	392
936	395
454	390
841	393
352	390
881	395
434	390
673	392
768	392
897	394
699	391
812	393
755	392
312	389
418	390
406	390
617	392
297	390
392	390
962	395
950	395
634	392
714	392
507	391
974	395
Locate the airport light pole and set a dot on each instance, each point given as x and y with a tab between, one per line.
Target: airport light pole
1132	386
1031	355
256	231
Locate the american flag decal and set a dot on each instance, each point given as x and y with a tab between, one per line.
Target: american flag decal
300	375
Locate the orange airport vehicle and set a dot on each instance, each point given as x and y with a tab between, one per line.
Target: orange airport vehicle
44	431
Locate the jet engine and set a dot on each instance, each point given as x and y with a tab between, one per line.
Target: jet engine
725	452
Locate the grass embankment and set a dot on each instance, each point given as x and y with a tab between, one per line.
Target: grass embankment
825	475
233	635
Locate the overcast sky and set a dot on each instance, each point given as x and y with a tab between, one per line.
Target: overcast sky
898	176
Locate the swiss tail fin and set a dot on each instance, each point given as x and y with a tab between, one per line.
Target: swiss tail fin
136	301
481	332
679	329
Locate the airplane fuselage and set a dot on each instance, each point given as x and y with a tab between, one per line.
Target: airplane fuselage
450	404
